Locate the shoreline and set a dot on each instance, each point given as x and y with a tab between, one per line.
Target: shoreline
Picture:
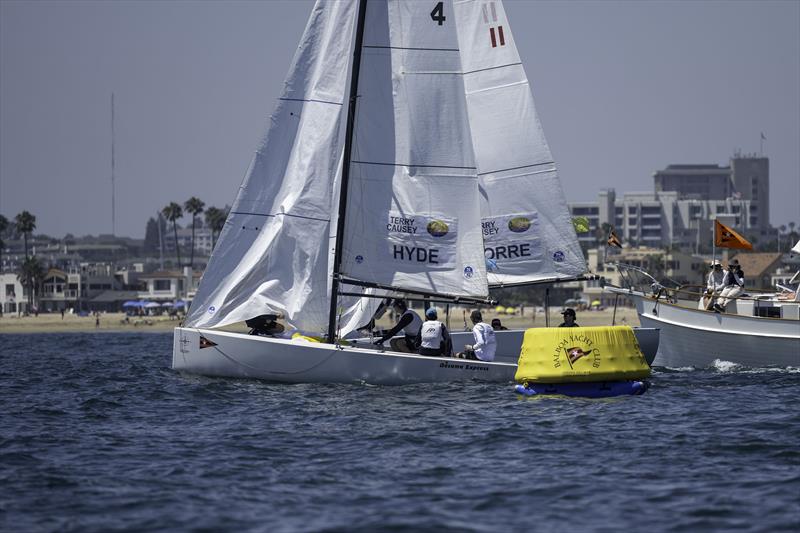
115	322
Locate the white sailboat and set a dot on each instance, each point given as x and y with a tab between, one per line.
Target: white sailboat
441	154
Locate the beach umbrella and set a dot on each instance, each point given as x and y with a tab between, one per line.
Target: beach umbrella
131	303
511	311
151	305
596	303
167	304
499	309
180	303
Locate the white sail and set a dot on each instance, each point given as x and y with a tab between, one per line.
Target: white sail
272	255
413	217
527	229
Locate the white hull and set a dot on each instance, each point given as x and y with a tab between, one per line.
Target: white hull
691	337
247	356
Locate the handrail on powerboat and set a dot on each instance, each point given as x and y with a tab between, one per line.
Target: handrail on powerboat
637	279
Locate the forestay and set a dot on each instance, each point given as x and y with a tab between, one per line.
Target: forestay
272	254
527	229
413	219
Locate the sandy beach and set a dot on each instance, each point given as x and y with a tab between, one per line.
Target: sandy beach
116	322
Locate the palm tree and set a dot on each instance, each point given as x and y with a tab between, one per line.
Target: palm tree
31	274
172	213
3	227
193	206
215	219
25	224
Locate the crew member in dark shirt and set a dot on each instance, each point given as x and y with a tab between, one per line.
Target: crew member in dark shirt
569	319
409	323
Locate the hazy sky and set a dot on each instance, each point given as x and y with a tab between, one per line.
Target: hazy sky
623	89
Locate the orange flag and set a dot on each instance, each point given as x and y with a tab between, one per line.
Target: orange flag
725	237
613	240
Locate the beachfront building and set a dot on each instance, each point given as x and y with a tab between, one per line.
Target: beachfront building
13	298
169	285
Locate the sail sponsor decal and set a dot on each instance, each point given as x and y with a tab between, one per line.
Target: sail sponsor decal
511	239
422	240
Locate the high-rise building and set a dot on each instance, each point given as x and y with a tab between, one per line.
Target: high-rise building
684	203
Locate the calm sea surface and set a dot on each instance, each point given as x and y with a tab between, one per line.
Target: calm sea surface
98	434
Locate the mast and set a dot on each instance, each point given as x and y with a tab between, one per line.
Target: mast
348	147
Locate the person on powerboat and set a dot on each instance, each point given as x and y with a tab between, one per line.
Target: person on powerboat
409	324
734	286
714	285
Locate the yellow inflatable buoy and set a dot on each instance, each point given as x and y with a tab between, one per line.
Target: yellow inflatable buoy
569	355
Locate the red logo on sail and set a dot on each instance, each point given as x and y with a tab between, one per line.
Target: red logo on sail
495	34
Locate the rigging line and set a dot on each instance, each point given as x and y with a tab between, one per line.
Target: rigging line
516	168
310	100
280	214
408	165
413	48
492	68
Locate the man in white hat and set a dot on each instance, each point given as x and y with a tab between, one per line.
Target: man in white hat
714	284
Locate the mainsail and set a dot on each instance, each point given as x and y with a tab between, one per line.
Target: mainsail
413	216
527	230
272	255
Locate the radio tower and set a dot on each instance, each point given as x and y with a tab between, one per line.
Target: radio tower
113	206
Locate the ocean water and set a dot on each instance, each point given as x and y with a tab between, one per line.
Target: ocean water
98	434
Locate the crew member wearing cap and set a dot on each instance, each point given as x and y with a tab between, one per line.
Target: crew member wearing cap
569	319
485	343
734	286
433	338
409	324
714	284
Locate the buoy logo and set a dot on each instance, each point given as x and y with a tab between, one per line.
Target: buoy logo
575	353
468	272
212	310
519	224
558	257
359	259
437	228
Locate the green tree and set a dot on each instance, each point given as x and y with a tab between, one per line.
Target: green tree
173	212
25	224
194	206
31	274
215	219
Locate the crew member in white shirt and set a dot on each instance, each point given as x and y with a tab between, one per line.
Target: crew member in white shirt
433	338
485	342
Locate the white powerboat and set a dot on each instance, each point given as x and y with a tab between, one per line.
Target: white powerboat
757	330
